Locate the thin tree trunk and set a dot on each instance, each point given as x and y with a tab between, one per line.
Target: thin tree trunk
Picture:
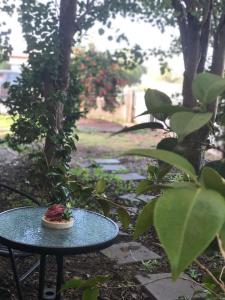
194	40
56	107
218	60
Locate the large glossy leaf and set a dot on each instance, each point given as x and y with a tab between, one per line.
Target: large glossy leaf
187	220
155	99
207	87
168	157
212	180
184	123
147	125
167	109
145	219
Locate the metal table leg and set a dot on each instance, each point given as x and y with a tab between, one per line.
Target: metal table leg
59	260
41	276
11	255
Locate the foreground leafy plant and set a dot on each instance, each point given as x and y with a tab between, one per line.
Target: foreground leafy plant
189	214
186	218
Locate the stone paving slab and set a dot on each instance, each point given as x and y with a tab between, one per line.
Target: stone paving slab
134	198
131	197
105	161
131	252
145	198
131	177
161	286
114	168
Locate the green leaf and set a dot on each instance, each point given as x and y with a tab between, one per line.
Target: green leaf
143	114
145	219
155	99
124	217
218	165
104	205
167	144
207	87
100	186
148	125
83	284
169	157
212	180
72	284
143	187
181	184
170	109
90	294
187	220
184	123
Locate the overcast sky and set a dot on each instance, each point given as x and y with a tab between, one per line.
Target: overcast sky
137	33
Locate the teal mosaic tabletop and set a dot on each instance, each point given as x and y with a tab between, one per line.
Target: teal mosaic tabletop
22	229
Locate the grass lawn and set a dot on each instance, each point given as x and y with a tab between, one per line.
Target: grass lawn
117	144
113	145
5	122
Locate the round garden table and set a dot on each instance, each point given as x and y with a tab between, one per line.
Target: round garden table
21	229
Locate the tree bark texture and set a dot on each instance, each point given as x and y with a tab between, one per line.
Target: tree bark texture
63	52
194	39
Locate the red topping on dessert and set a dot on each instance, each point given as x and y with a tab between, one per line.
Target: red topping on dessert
55	212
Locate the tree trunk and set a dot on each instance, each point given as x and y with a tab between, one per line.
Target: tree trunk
194	39
55	106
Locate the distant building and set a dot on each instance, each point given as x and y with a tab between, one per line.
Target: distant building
7	76
10	74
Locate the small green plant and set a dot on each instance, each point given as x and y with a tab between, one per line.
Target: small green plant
115	186
193	272
150	265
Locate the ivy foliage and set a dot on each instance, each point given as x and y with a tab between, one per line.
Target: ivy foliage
6	9
29	101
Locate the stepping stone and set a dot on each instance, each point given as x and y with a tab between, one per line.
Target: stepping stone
105	161
131	197
125	253
85	165
131	177
161	286
145	198
114	168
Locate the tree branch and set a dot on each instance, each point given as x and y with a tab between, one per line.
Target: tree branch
182	22
218	60
201	266
205	33
88	8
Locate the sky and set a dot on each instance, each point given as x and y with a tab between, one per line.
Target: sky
137	33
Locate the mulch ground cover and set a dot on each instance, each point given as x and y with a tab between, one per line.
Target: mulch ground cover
121	286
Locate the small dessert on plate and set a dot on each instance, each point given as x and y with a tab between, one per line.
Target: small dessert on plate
58	217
